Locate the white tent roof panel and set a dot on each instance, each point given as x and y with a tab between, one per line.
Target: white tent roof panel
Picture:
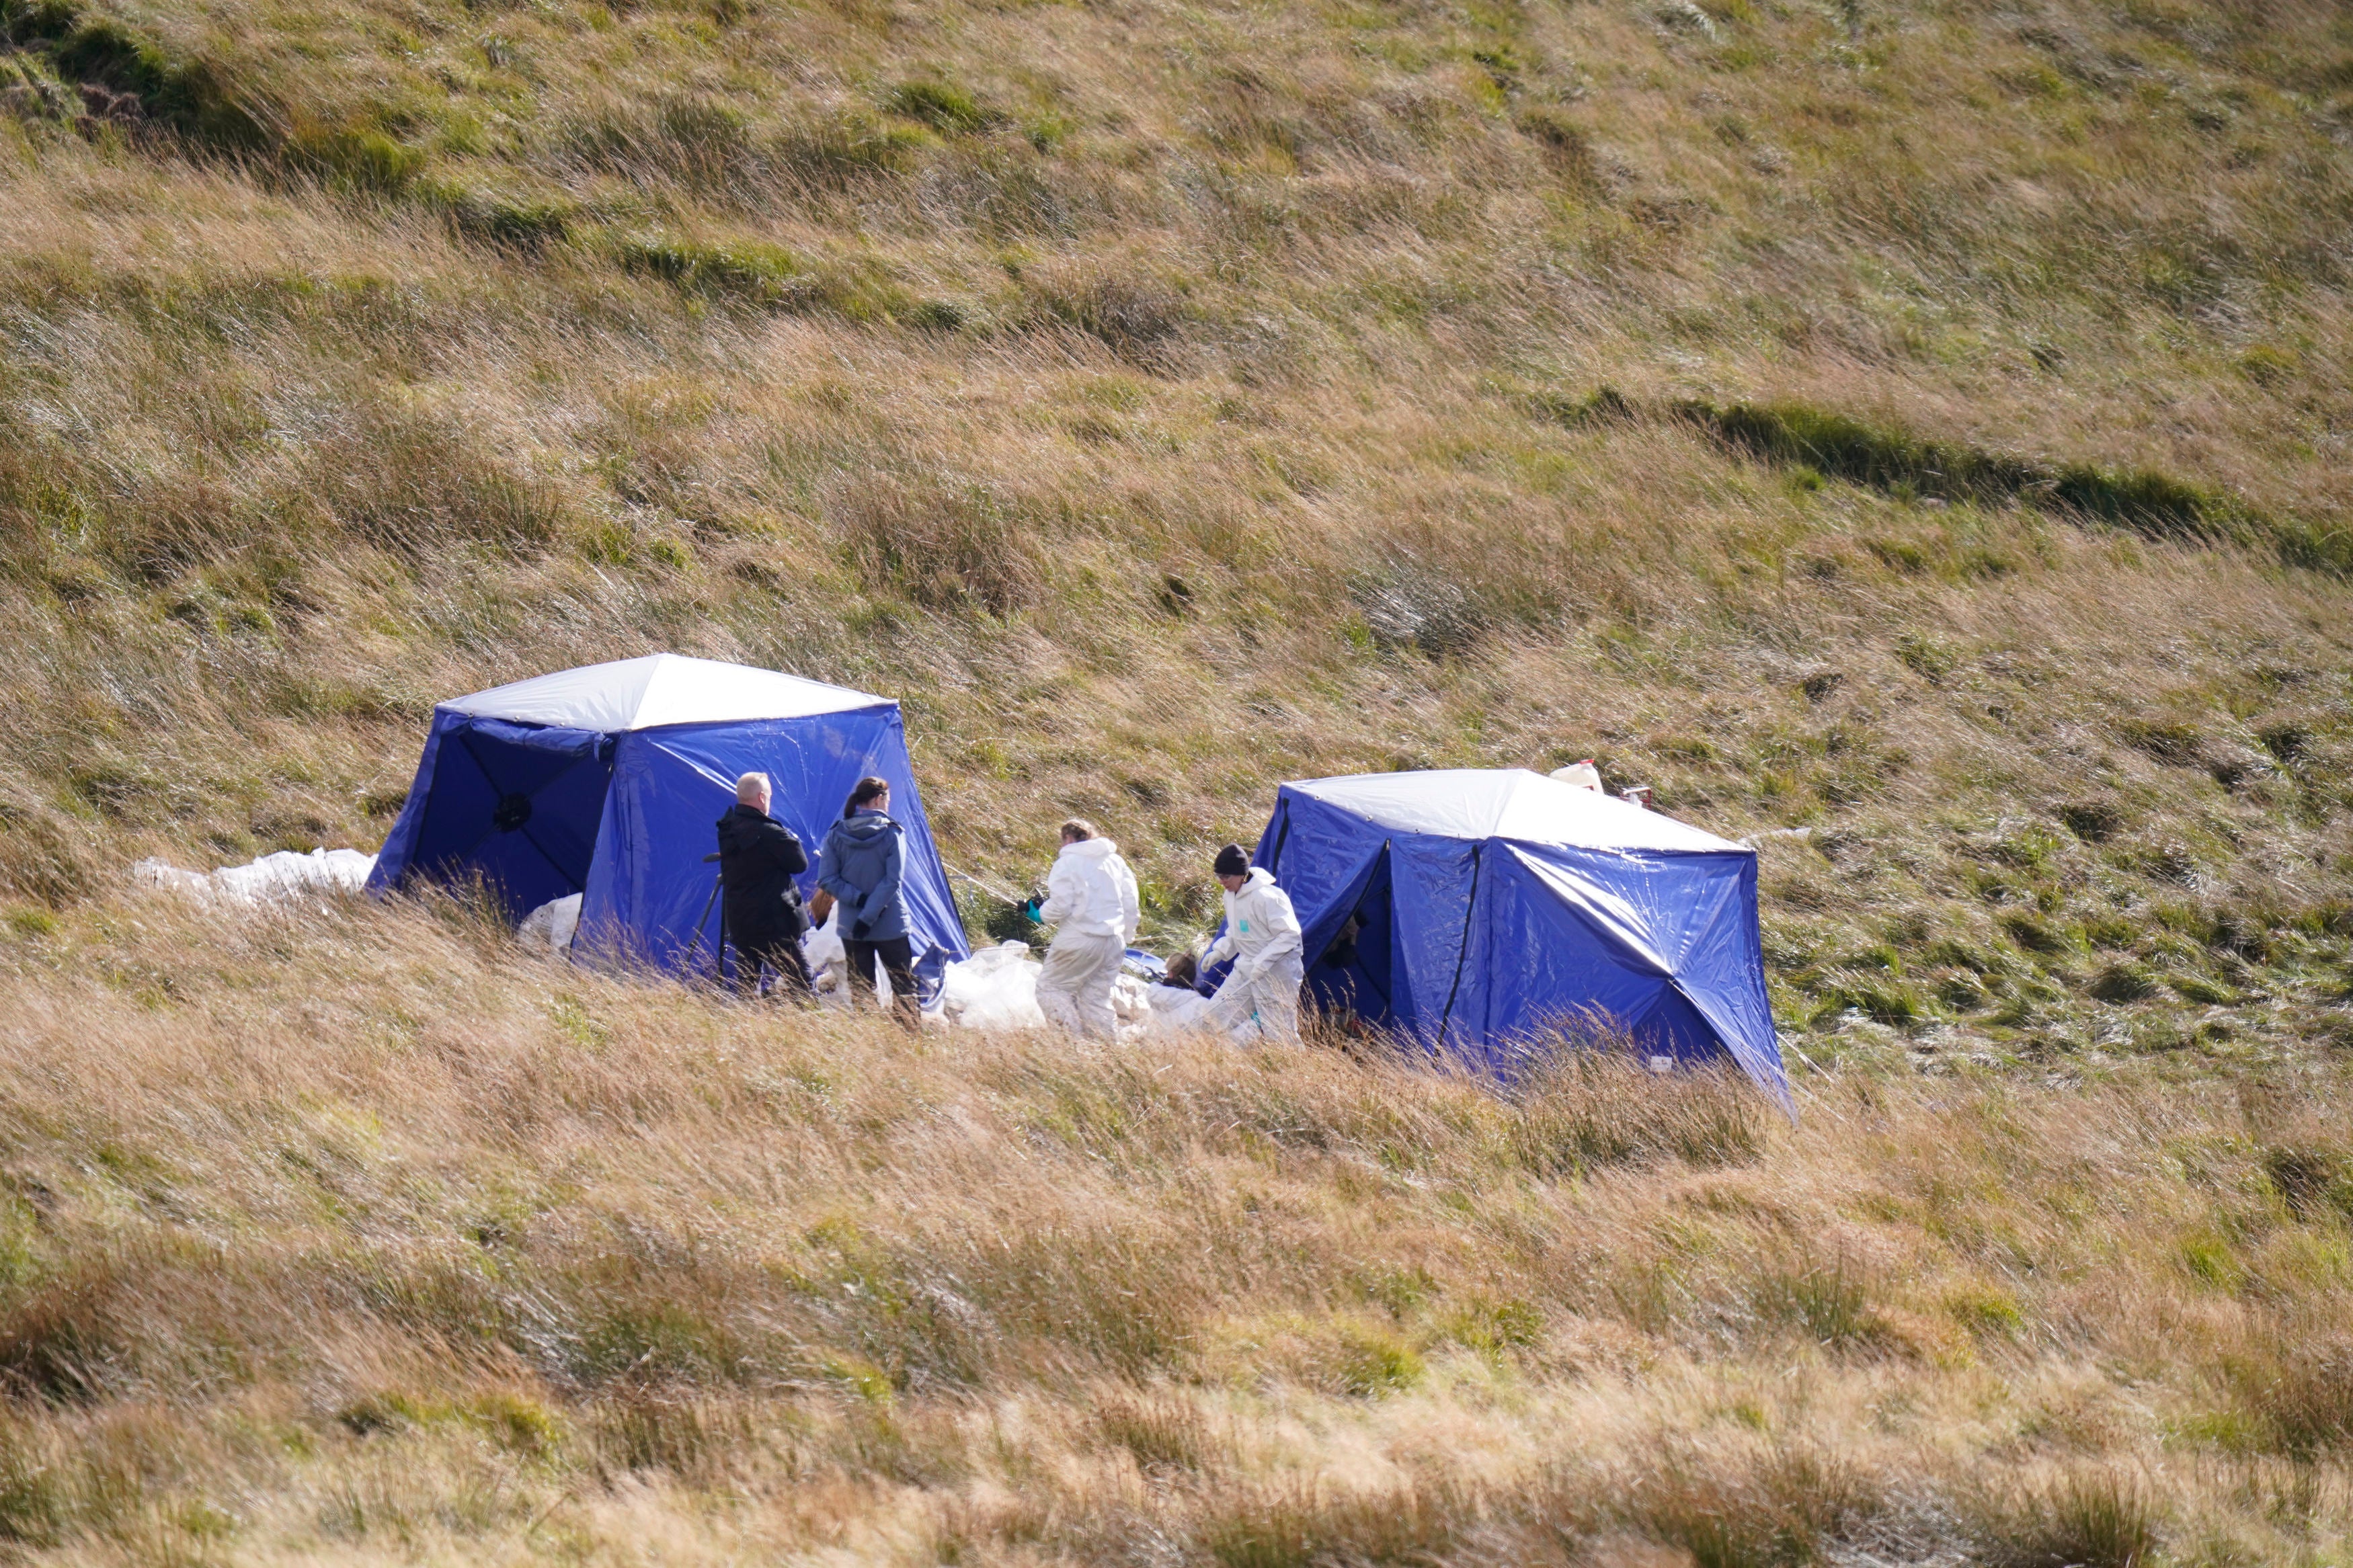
659	689
1507	802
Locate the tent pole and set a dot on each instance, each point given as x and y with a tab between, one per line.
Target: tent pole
984	887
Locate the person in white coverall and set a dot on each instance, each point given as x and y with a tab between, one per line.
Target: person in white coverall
1261	936
1091	901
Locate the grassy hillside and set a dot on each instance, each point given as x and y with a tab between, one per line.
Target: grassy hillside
361	1237
1922	424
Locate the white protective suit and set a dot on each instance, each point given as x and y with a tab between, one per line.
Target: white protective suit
1261	998
1091	901
1176	1010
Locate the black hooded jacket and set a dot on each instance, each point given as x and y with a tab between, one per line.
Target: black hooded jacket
758	859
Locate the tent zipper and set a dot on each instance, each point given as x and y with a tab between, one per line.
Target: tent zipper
1462	955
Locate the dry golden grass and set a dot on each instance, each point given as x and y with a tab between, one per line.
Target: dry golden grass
1164	401
349	1233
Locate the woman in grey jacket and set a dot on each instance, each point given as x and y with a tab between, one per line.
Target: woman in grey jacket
861	865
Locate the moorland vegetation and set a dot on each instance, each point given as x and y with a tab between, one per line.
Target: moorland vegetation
1918	423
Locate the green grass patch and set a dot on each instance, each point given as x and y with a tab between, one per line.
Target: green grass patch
948	110
756	274
194	97
1899	462
360	158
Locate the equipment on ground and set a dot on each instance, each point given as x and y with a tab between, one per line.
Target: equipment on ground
604	780
719	941
1494	908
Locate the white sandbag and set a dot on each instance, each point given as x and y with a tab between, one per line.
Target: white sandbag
822	945
828	958
284	874
551	927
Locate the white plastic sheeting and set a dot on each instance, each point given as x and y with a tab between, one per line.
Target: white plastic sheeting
1172	1010
995	988
829	960
1130	1004
285	874
551	926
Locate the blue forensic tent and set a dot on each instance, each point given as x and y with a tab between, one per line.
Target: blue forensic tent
1496	904
607	781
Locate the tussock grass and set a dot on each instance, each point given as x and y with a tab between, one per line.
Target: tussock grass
1587	1107
354	1228
2098	1520
1165	401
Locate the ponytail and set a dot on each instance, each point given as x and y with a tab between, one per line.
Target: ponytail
869	790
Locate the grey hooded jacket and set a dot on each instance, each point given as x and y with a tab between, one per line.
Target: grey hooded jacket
861	865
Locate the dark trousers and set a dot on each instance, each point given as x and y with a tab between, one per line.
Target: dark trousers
898	956
778	948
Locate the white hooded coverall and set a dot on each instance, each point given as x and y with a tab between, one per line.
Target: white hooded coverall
1091	901
1262	996
1176	1010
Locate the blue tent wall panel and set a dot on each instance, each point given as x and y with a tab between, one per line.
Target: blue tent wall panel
672	785
1700	911
1673	1027
1663	941
1368	881
1367	984
1321	847
1568	968
814	764
540	810
1729	952
1652	909
515	804
391	866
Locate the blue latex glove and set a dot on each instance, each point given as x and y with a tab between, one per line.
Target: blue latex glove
1031	908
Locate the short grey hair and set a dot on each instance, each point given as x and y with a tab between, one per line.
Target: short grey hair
751	787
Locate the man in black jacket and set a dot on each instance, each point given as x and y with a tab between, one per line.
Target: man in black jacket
758	859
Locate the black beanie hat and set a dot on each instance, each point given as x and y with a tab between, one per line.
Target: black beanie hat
1232	862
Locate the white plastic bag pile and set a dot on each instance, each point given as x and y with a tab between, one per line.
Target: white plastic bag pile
279	876
829	960
995	988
